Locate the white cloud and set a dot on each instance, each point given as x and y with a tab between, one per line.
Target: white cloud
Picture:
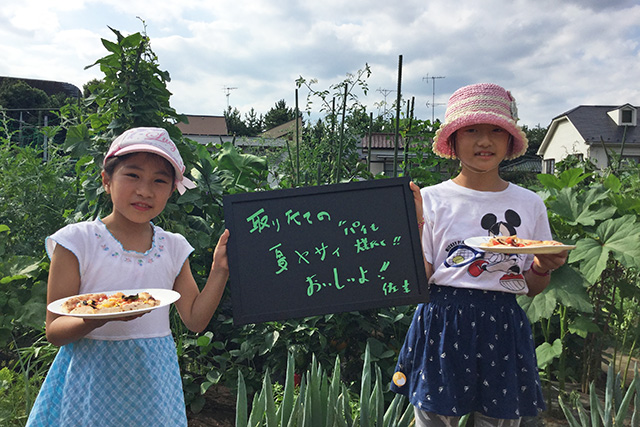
552	55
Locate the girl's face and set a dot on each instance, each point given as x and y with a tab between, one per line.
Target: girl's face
481	147
140	186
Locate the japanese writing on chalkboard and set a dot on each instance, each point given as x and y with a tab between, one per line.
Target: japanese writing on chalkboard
363	237
323	249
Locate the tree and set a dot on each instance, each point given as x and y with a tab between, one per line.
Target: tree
28	106
253	123
235	125
19	95
535	136
278	115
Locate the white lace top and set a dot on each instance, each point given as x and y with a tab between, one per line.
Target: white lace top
105	266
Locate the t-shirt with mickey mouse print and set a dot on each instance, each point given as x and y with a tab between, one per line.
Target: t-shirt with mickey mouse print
454	213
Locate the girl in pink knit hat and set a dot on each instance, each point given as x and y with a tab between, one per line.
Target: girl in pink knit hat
470	349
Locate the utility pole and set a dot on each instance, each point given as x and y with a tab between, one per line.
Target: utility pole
433	95
228	92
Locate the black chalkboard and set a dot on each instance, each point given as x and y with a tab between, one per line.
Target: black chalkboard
327	249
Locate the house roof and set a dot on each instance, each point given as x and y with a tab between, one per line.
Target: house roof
283	129
524	164
595	125
204	126
382	141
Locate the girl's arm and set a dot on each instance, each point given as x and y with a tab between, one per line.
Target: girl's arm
64	281
196	308
417	200
538	275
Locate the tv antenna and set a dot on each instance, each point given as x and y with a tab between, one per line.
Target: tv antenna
433	94
385	93
228	90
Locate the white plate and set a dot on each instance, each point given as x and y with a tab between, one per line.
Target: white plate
165	296
477	243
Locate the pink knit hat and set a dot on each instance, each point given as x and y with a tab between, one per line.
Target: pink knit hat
152	140
482	103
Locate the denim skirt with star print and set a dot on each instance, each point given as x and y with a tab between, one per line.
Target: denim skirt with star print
470	350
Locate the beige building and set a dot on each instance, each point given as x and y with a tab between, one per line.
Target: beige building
592	132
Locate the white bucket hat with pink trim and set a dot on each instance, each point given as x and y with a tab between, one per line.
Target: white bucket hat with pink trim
482	103
156	141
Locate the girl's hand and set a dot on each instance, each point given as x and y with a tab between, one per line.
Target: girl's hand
417	200
544	263
220	259
538	275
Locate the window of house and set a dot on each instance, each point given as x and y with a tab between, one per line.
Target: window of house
627	116
388	167
549	166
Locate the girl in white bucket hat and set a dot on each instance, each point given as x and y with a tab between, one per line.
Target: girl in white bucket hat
124	370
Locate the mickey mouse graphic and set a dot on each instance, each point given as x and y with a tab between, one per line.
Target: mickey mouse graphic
479	262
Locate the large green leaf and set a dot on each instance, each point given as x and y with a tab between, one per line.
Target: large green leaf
244	167
573	177
622	237
619	236
33	312
582	326
545	353
568	178
567	287
550	181
592	256
577	207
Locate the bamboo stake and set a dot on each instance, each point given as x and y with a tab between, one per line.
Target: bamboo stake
341	146
369	143
297	143
398	99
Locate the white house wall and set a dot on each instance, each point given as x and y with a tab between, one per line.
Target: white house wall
565	141
598	156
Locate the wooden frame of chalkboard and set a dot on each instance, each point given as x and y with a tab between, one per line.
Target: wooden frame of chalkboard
326	249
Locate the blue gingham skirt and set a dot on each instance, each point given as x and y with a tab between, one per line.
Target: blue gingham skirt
468	351
112	383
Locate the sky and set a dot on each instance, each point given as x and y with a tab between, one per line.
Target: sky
553	55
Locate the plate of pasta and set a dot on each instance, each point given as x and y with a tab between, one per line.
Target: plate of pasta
517	245
113	304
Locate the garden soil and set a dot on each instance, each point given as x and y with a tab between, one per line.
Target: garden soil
218	411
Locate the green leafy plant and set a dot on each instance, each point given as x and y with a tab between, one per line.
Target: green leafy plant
22	292
134	90
21	380
617	403
12	409
585	296
322	400
328	150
